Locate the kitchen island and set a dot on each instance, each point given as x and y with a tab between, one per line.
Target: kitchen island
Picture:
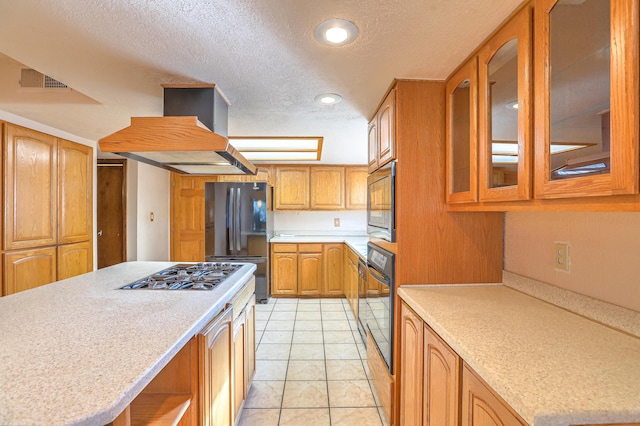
552	367
80	350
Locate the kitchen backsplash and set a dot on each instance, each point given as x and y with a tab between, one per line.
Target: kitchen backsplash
351	222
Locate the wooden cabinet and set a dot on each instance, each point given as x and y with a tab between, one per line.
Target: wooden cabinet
306	270
505	111
441	381
327	188
28	269
216	361
481	406
263	174
411	364
310	264
250	344
75	192
462	134
74	259
350	279
292	188
284	269
356	188
332	270
239	355
587	94
30	188
382	134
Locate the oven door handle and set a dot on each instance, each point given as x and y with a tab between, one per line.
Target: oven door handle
378	276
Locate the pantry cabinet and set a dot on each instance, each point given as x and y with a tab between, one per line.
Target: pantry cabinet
382	133
48	208
505	112
587	98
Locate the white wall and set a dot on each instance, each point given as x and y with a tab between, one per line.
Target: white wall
153	197
604	251
350	221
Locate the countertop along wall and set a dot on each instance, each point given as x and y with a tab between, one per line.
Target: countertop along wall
604	252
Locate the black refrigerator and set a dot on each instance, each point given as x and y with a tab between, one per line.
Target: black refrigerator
238	227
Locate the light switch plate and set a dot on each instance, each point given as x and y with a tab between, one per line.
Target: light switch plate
336	222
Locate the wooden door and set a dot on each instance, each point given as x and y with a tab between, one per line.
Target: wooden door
111	212
31	169
356	188
284	274
74	259
216	351
441	381
373	145
411	364
387	130
187	218
292	188
309	274
75	192
332	255
327	188
27	269
481	406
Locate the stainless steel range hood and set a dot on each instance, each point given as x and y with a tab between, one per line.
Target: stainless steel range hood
191	138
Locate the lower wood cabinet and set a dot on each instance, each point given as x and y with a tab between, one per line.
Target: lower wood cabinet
26	269
431	393
239	350
307	270
350	279
216	362
481	406
74	259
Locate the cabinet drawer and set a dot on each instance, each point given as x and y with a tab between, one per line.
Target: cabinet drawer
285	248
310	248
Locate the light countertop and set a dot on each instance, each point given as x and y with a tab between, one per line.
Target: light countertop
78	351
552	366
357	242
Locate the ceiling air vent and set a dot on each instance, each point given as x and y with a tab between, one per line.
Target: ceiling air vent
30	78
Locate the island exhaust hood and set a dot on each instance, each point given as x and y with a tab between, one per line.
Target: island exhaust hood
191	137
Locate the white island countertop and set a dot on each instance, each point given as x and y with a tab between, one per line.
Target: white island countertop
554	367
78	351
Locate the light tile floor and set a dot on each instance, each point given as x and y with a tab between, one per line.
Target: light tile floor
311	367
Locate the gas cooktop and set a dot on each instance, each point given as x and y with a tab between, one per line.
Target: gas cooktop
200	276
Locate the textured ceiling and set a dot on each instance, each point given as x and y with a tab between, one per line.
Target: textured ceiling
261	53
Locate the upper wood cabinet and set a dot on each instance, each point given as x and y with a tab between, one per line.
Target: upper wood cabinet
264	174
30	192
505	112
586	98
382	133
292	188
462	134
327	188
75	192
356	188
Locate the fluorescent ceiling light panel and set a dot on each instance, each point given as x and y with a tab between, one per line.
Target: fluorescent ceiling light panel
511	148
278	148
504	159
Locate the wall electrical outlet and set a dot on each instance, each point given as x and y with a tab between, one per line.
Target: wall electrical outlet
336	222
152	217
561	256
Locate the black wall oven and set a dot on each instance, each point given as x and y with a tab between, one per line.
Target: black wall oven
381	200
380	292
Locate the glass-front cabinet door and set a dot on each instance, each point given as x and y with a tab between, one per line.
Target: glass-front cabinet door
505	111
462	134
587	101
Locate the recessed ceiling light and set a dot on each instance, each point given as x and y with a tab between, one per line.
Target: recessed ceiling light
328	98
336	32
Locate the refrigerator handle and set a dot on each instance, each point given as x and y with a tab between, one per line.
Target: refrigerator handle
238	216
230	219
